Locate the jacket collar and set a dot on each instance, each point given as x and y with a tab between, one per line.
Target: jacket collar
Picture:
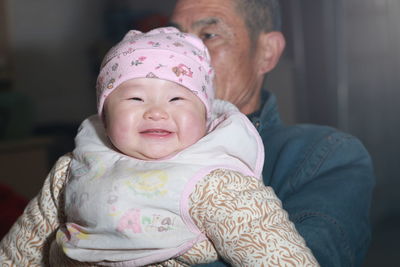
267	115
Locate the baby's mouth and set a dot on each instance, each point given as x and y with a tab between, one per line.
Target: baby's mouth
156	132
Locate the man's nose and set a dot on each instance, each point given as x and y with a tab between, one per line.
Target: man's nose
155	113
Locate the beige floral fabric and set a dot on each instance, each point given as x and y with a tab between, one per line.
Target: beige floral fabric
243	219
246	223
28	241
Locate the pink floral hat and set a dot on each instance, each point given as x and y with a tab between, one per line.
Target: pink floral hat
163	53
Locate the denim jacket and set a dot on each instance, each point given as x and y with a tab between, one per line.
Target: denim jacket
324	179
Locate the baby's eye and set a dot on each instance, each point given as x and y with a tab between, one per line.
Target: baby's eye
176	98
136	99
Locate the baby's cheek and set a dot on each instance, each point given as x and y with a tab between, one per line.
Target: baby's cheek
119	134
196	128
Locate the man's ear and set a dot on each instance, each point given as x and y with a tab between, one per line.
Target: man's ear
270	47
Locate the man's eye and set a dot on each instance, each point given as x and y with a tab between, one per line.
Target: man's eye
136	99
207	36
175	99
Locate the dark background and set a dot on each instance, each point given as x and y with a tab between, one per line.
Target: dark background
340	68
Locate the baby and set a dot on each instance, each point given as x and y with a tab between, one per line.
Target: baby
164	173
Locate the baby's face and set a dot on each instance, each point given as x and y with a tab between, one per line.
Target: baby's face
153	119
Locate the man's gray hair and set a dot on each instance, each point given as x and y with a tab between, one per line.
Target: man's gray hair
260	15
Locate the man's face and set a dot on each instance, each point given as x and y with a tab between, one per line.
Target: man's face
152	119
217	22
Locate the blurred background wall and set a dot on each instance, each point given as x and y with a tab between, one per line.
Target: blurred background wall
340	68
347	59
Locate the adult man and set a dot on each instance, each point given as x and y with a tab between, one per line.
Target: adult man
323	177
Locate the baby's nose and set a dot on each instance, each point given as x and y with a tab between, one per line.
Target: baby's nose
156	113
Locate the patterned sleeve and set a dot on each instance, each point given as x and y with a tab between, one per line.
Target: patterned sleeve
246	223
27	242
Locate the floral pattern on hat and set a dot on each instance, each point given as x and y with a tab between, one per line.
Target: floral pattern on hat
162	53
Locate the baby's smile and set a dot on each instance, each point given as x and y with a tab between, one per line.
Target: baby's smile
158	133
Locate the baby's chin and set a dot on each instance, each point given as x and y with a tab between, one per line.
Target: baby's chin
154	152
152	156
